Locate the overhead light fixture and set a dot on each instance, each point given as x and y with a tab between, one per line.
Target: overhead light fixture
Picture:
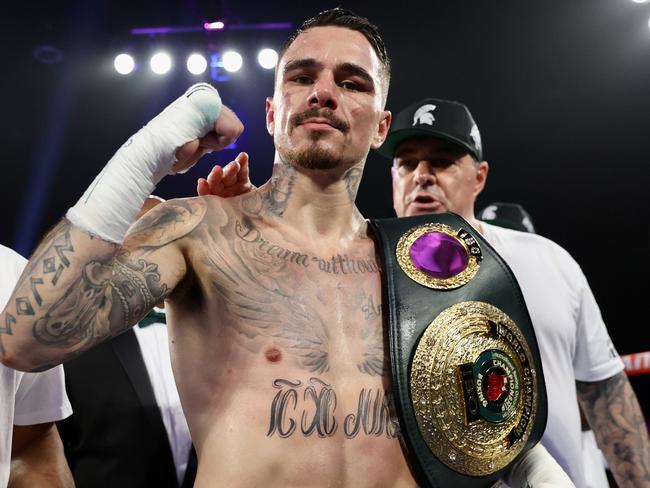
196	64
267	58
124	63
160	63
232	61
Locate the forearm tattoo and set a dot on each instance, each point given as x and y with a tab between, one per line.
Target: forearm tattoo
613	412
111	292
107	298
312	408
45	268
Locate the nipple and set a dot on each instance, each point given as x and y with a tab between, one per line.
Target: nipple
273	355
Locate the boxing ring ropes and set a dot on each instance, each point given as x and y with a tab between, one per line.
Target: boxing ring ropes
637	363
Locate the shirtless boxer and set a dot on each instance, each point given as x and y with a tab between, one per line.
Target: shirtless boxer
274	297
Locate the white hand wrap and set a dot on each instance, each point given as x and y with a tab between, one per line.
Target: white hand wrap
538	469
111	202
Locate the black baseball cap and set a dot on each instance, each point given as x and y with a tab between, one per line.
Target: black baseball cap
444	119
510	215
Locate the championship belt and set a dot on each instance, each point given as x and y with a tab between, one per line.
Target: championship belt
467	378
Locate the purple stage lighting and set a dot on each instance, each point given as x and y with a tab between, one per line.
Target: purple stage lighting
209	26
214	25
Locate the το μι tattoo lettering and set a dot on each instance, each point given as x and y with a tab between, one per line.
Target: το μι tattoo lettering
310	408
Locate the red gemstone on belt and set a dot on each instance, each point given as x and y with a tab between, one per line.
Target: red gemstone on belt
496	386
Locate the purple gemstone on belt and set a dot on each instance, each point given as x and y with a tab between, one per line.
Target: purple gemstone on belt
439	255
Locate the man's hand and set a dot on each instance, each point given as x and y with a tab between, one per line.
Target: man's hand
227	129
230	181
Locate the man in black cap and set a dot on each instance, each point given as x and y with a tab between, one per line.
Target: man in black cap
438	166
510	215
514	216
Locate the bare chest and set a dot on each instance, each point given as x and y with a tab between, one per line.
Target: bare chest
318	310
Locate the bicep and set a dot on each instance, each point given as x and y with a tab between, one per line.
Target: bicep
78	290
152	260
150	263
140	279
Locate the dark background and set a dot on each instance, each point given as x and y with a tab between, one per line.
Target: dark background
560	90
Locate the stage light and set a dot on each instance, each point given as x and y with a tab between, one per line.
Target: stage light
232	61
267	58
124	63
213	25
160	63
196	64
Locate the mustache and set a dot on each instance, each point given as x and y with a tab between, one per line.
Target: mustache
325	113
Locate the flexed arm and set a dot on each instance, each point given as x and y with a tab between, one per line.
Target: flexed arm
78	290
83	284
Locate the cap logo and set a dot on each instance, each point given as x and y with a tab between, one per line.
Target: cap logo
526	222
476	137
424	115
489	212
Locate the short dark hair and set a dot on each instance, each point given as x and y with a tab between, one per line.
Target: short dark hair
340	17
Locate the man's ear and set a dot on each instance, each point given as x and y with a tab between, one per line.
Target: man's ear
270	115
481	177
382	129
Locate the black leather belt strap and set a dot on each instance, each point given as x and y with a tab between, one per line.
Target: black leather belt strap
412	307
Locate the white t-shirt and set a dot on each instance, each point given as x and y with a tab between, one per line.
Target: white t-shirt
153	341
593	461
573	340
25	398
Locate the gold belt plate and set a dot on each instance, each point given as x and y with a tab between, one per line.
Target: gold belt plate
474	388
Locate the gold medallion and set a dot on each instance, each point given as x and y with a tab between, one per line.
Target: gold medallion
473	388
